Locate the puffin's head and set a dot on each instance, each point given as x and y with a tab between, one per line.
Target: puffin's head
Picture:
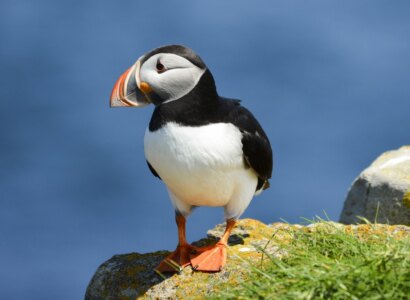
162	75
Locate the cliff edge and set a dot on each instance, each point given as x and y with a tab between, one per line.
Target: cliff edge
131	276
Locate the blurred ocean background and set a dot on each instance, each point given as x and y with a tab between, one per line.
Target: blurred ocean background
328	80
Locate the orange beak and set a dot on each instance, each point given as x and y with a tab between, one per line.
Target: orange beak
126	92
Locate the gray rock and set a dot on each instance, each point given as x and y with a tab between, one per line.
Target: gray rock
126	276
381	193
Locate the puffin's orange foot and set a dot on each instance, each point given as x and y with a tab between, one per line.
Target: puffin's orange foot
177	260
210	258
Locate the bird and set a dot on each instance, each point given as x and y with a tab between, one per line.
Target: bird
208	150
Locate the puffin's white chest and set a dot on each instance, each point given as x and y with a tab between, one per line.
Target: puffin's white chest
200	165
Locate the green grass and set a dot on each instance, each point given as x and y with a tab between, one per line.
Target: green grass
328	263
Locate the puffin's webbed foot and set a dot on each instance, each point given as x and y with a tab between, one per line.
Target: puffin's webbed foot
210	258
177	260
213	258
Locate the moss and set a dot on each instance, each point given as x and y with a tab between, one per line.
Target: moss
406	199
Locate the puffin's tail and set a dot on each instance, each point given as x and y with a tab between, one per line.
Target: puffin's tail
263	184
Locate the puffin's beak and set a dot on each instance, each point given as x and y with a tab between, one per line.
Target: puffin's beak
126	90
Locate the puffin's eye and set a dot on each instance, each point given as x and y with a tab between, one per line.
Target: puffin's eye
160	67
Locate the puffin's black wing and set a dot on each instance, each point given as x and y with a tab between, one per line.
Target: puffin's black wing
153	170
256	147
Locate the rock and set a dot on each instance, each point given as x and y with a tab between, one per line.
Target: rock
381	193
128	276
131	276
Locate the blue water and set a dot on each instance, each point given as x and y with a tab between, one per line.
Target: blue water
328	80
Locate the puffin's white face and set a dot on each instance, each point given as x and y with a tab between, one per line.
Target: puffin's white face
162	78
170	76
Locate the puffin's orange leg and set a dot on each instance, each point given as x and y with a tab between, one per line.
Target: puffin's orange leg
180	258
213	258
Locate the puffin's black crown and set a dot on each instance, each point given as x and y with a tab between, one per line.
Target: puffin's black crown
180	50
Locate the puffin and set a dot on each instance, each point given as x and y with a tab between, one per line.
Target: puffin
208	150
